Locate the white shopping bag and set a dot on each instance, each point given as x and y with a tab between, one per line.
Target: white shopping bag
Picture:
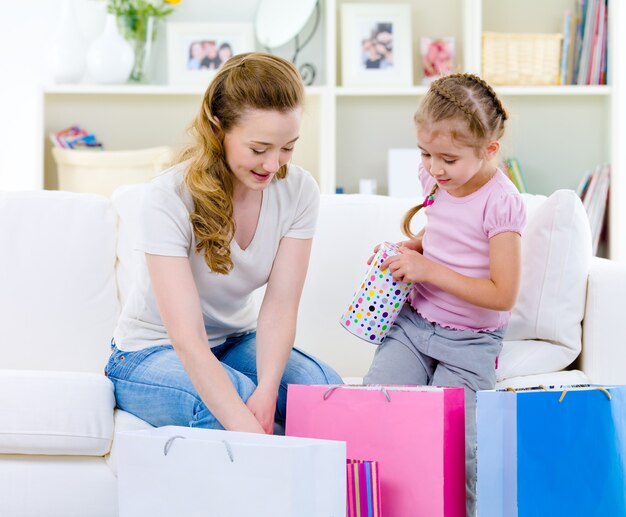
181	471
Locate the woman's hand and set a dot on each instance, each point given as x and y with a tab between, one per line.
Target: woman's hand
262	404
408	266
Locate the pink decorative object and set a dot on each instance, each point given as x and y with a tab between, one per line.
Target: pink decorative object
377	301
428	200
415	433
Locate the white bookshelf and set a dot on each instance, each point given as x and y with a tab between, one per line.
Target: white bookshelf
556	132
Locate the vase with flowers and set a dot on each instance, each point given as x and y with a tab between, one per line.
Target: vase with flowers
137	21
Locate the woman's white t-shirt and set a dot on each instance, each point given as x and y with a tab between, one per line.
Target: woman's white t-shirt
289	209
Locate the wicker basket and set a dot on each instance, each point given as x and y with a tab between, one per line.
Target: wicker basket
101	172
521	59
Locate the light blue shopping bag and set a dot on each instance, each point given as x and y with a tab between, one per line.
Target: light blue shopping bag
552	451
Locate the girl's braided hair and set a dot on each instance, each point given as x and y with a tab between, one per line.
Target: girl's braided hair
468	99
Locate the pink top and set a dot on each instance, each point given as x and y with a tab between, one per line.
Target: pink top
457	236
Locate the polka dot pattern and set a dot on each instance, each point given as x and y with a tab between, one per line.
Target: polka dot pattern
377	301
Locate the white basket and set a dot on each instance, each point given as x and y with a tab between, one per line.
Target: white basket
101	172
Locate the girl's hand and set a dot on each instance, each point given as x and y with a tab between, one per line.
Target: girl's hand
369	260
407	266
262	403
413	244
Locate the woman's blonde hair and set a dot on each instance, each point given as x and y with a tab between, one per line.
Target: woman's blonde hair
254	80
465	98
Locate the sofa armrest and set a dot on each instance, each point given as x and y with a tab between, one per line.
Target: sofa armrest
603	357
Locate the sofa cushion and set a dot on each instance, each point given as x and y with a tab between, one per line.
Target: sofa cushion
127	203
348	228
58	297
59	413
556	256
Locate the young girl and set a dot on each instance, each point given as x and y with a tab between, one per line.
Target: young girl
466	262
190	347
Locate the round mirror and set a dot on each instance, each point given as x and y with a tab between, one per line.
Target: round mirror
279	21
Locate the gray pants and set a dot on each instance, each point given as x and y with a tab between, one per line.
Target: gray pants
419	352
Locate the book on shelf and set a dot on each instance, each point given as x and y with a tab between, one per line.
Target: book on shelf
584	59
566	51
593	189
74	137
515	174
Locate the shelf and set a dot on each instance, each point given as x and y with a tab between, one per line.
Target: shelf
342	91
554	90
136	89
501	90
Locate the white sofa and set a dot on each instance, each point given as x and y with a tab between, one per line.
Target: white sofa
66	264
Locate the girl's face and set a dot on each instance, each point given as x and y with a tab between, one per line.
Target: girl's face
260	144
458	169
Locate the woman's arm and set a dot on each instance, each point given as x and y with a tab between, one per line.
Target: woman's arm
276	326
498	292
179	305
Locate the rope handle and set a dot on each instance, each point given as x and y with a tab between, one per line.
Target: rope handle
331	389
564	392
170	441
599	388
168	444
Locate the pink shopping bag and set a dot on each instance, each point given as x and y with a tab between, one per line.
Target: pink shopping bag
363	483
415	433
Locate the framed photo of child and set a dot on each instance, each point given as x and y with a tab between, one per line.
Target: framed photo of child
376	45
195	51
438	56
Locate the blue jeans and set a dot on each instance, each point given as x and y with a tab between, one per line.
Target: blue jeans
153	385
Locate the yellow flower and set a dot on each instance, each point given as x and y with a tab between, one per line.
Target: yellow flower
173	2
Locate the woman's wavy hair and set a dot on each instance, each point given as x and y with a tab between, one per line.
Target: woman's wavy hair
469	100
254	80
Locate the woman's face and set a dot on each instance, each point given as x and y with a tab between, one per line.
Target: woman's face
260	144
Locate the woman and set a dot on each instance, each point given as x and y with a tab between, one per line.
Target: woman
190	347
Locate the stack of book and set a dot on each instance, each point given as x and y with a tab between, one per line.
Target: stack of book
584	54
74	138
594	191
514	171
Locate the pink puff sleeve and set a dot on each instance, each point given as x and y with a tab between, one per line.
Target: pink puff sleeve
505	212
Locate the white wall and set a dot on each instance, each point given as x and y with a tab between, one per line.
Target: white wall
26	32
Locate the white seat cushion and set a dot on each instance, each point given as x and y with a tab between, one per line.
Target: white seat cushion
60	413
563	378
545	332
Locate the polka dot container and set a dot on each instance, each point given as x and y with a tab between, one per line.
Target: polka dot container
377	301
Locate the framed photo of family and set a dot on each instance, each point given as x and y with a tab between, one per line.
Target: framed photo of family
376	45
196	51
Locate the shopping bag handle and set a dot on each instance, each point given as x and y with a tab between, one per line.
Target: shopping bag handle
331	389
170	441
599	388
564	392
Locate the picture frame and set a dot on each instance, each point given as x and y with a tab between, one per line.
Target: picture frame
196	51
376	45
438	57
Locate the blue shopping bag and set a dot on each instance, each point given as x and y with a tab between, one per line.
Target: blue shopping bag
552	451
